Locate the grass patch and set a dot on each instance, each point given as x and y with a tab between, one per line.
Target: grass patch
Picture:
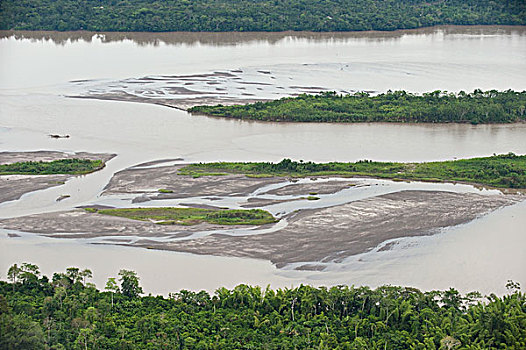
504	171
197	175
312	198
164	190
72	166
192	216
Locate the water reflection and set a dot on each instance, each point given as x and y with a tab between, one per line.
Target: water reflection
236	38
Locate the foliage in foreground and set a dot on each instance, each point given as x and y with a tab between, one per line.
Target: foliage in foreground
192	216
398	106
505	170
68	313
61	166
250	15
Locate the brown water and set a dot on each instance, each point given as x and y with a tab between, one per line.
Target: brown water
448	58
36	70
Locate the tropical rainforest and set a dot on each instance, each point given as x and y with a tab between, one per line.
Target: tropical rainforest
254	15
503	170
393	106
68	312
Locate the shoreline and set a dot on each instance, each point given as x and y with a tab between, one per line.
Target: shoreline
352	216
304	242
85	33
448	259
12	187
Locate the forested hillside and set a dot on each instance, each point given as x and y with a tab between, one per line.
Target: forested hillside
254	15
67	312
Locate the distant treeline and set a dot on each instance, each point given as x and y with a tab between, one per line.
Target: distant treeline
505	170
252	15
67	312
398	106
61	166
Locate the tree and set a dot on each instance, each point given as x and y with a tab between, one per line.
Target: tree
129	283
112	287
86	273
30	268
19	332
85	337
13	274
27	274
449	343
73	273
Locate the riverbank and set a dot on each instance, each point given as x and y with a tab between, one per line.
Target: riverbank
12	187
480	255
264	16
247	316
506	171
314	238
351	216
478	107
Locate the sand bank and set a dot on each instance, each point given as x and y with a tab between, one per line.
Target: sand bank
12	187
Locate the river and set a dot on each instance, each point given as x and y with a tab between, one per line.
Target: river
39	70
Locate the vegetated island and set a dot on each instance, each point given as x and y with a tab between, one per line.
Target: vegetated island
504	170
67	312
394	106
246	15
192	216
73	166
24	172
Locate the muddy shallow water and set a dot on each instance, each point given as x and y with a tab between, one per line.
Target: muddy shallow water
322	220
481	255
38	70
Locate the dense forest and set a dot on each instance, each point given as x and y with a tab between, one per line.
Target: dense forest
61	166
398	106
254	15
504	170
68	312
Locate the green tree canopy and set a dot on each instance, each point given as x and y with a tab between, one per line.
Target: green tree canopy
252	15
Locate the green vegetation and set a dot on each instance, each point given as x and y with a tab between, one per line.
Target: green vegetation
62	166
505	170
197	175
164	190
250	15
398	106
192	216
66	312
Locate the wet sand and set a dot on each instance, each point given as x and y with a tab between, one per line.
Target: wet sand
335	233
12	187
305	239
481	255
137	181
48	156
80	223
329	187
182	103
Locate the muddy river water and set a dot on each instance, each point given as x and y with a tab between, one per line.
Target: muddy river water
123	78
